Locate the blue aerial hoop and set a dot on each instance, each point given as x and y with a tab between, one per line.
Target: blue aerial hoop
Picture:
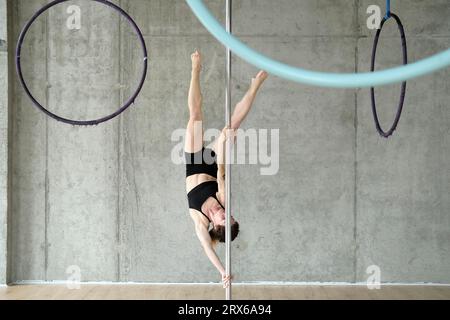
336	80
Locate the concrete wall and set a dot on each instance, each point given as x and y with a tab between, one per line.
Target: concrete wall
109	200
403	221
3	141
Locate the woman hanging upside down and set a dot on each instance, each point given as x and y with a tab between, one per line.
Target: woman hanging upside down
205	169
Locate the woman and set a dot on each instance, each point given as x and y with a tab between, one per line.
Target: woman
205	173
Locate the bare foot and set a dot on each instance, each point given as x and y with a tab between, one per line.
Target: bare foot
258	80
196	61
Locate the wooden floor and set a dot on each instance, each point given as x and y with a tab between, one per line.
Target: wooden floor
215	292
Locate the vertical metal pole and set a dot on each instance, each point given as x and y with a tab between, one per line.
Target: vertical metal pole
228	156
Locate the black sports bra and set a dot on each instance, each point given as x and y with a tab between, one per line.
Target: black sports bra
198	195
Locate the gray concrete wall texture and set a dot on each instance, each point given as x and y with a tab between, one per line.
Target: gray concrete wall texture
109	199
3	142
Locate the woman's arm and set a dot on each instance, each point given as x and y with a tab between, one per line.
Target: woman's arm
221	184
206	242
220	151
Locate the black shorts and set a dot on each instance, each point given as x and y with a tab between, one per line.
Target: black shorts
201	162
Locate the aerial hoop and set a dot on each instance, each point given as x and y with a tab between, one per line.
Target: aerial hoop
372	68
359	80
129	102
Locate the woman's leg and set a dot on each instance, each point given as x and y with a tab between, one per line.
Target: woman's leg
194	131
243	108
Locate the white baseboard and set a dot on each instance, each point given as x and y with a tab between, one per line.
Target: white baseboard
255	283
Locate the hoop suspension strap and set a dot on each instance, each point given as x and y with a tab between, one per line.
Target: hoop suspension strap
388	9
